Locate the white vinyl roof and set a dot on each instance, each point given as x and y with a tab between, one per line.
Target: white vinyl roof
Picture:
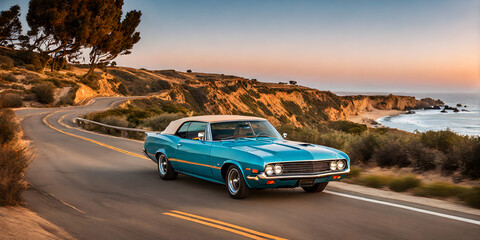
174	125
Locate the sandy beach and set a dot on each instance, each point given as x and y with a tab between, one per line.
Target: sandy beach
369	118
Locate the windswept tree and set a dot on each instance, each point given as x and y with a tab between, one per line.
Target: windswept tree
60	29
10	26
54	25
118	40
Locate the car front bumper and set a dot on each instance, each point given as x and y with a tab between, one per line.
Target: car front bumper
298	176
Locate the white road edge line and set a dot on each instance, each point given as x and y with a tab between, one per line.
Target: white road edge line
467	220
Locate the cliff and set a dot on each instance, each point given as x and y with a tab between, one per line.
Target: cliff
279	103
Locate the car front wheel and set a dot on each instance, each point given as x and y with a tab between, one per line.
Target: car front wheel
236	185
165	169
317	187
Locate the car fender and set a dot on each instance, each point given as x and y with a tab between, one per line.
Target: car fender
160	151
241	170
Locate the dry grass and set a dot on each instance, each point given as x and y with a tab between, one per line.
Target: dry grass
13	160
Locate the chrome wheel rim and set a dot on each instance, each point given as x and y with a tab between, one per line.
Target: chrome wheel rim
233	181
162	164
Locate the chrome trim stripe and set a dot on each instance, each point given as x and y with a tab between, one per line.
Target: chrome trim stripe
194	163
264	176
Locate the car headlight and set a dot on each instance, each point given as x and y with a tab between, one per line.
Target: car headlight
340	164
278	169
333	165
269	170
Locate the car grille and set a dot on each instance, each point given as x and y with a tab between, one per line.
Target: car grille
305	167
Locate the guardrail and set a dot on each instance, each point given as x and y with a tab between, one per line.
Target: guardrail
124	131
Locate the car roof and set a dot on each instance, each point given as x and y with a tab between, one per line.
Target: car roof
174	125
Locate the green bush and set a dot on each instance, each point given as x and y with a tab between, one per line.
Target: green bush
402	184
115	121
355	172
390	154
439	189
10	100
160	122
44	92
8	126
471	197
363	148
9	77
375	181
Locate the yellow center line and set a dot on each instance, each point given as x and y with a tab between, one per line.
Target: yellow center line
215	226
229	225
91	140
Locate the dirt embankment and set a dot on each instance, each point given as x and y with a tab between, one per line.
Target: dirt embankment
20	223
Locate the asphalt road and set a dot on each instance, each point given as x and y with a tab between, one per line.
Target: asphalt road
100	187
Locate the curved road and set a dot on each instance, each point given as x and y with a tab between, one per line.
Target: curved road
101	187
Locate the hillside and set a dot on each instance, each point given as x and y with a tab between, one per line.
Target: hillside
197	93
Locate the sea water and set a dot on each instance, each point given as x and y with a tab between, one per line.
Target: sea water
465	122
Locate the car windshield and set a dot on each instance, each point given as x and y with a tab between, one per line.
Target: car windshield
243	129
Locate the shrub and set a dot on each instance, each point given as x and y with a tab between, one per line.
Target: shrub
44	92
402	184
390	154
160	122
363	148
422	157
91	81
355	172
9	77
189	71
115	121
439	189
471	197
471	164
6	63
10	100
375	181
13	162
8	126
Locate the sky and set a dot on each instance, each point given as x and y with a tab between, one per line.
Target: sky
357	45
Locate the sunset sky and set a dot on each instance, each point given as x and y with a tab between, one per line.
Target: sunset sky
337	45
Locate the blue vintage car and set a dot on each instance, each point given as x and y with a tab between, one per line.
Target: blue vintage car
244	153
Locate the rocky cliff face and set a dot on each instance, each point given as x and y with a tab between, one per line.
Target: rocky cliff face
279	103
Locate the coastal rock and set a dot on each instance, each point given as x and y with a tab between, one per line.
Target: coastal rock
428	102
444	111
465	110
456	110
459	105
410	112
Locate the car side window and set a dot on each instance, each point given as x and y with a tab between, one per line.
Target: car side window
182	132
194	129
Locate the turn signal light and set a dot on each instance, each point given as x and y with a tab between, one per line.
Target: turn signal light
336	177
270	181
254	170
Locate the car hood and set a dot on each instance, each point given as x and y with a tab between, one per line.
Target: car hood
284	151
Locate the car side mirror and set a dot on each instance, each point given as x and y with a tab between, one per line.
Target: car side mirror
284	135
201	136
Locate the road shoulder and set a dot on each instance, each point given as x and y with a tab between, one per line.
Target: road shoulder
436	203
21	223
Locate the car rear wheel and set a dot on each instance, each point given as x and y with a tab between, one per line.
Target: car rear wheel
317	187
236	185
165	169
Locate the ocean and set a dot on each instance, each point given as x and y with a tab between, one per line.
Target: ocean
465	122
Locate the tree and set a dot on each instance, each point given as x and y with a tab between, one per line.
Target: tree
10	26
117	40
60	29
55	30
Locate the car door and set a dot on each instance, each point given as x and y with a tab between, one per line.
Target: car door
193	154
